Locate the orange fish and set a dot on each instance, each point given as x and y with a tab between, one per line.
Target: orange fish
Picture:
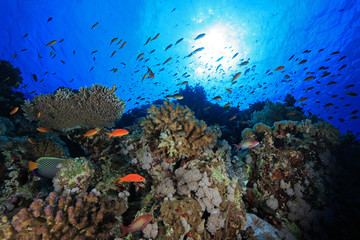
147	41
227	105
50	43
228	90
302	99
279	68
144	77
139	223
90	133
151	74
236	76
167	60
42	129
157	35
118	133
247	144
309	78
14	110
113	40
31	141
113	89
38	115
123	45
232	118
140	55
131	178
94	25
113	53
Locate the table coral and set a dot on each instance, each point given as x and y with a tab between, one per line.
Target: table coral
176	132
64	217
90	107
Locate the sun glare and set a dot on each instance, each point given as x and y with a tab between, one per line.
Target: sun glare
220	44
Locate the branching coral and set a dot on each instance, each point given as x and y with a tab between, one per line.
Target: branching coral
96	106
176	132
63	217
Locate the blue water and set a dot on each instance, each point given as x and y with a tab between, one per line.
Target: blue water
264	33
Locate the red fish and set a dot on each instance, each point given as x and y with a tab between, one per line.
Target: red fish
131	178
151	74
139	223
118	133
247	144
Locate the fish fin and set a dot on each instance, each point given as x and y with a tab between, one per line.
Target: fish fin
238	147
32	165
109	135
120	179
124	230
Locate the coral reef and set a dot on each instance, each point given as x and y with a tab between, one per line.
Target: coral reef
196	200
273	112
9	78
288	173
74	176
90	107
64	217
176	132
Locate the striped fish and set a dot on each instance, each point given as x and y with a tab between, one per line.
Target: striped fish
46	167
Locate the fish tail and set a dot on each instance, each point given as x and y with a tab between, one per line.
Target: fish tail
120	179
32	165
238	147
124	230
109	135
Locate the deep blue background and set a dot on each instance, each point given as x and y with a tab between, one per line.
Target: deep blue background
267	33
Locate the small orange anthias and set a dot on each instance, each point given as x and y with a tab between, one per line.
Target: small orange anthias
247	144
118	133
139	223
131	178
91	132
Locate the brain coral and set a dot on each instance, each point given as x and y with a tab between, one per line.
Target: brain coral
63	217
175	130
91	107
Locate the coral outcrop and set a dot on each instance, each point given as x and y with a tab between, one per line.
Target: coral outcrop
74	176
95	106
176	132
64	217
273	112
288	173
